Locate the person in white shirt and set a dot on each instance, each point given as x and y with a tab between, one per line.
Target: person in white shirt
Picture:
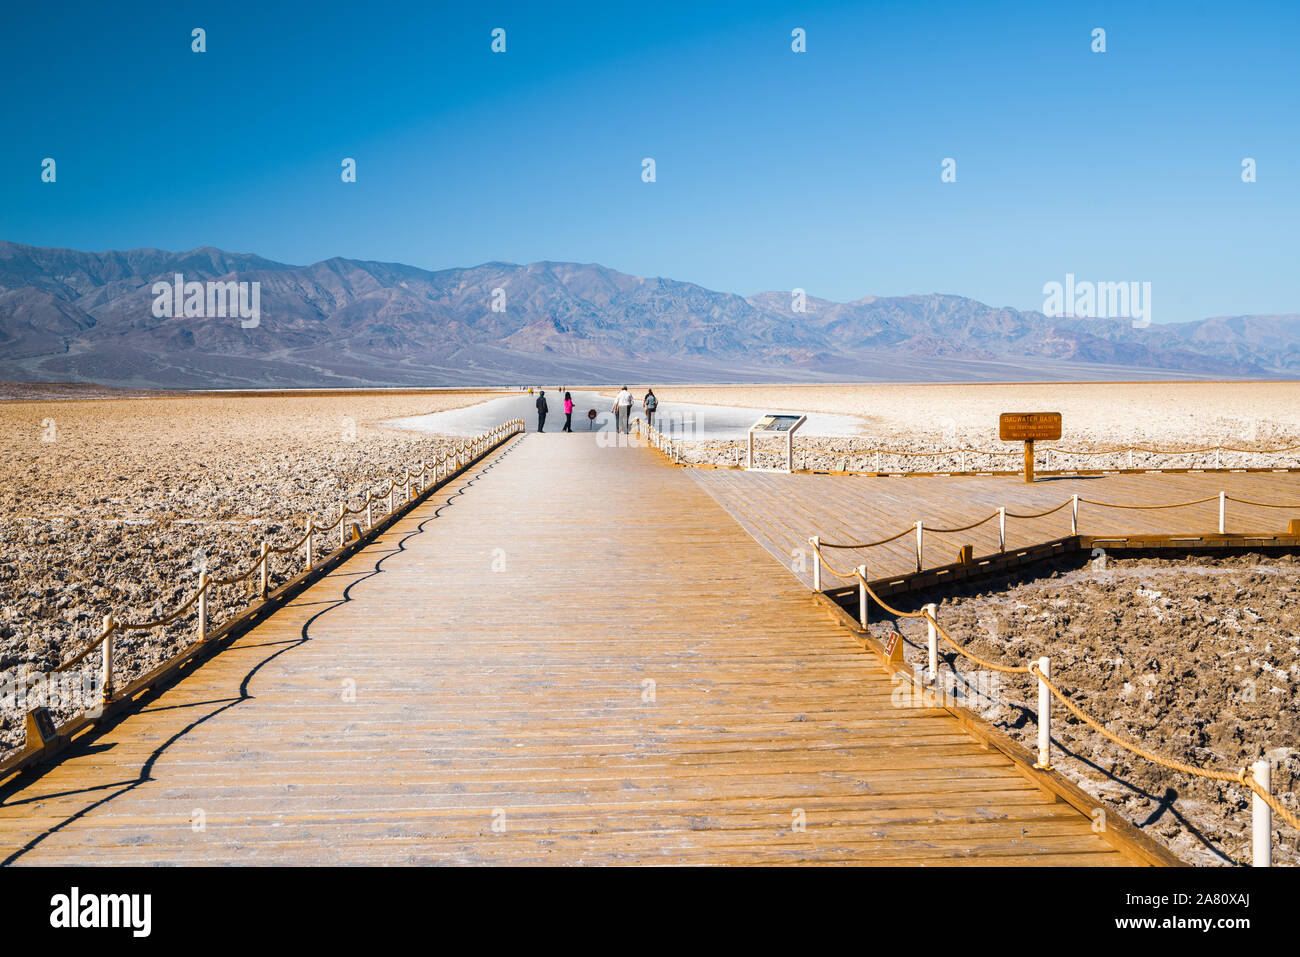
623	408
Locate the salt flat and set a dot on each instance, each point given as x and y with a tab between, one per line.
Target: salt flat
1100	412
692	419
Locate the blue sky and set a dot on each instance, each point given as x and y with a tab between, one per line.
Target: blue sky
775	170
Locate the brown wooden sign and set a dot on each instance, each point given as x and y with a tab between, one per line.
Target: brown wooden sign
1029	426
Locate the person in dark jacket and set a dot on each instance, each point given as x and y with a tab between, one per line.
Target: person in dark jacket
651	402
541	411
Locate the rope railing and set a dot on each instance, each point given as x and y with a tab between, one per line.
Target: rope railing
1149	508
882	541
414	483
1050	511
1073	502
964	528
1115	450
1243	775
1246	501
930	619
1255	778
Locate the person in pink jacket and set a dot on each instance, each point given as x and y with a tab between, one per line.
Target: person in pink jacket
568	413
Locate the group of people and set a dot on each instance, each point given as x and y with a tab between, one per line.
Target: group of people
622	410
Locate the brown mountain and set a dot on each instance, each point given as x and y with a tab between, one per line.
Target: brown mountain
73	316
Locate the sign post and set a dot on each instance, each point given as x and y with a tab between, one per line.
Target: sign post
777	424
1028	427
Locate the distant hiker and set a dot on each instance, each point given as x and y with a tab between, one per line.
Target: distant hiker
568	413
651	403
541	411
623	409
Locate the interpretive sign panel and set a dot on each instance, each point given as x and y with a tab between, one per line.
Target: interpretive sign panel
779	424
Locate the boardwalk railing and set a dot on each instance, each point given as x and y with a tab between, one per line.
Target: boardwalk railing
1055	459
658	440
400	491
1256	778
1001	514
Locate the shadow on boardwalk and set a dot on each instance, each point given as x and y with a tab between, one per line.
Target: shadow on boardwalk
89	746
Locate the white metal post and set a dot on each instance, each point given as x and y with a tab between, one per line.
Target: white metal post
1261	816
203	606
919	538
369	522
1044	715
862	595
877	460
932	614
391	486
817	562
311	527
1002	529
1074	515
1130	457
1223	509
343	525
265	570
749	461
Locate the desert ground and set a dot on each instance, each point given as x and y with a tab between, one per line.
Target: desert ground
941	418
115	504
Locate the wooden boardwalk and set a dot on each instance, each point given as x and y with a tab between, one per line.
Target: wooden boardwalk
571	656
783	511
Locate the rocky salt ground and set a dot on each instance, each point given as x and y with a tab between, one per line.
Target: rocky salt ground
1198	661
113	506
921	455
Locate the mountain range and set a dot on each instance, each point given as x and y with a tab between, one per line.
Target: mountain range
77	316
